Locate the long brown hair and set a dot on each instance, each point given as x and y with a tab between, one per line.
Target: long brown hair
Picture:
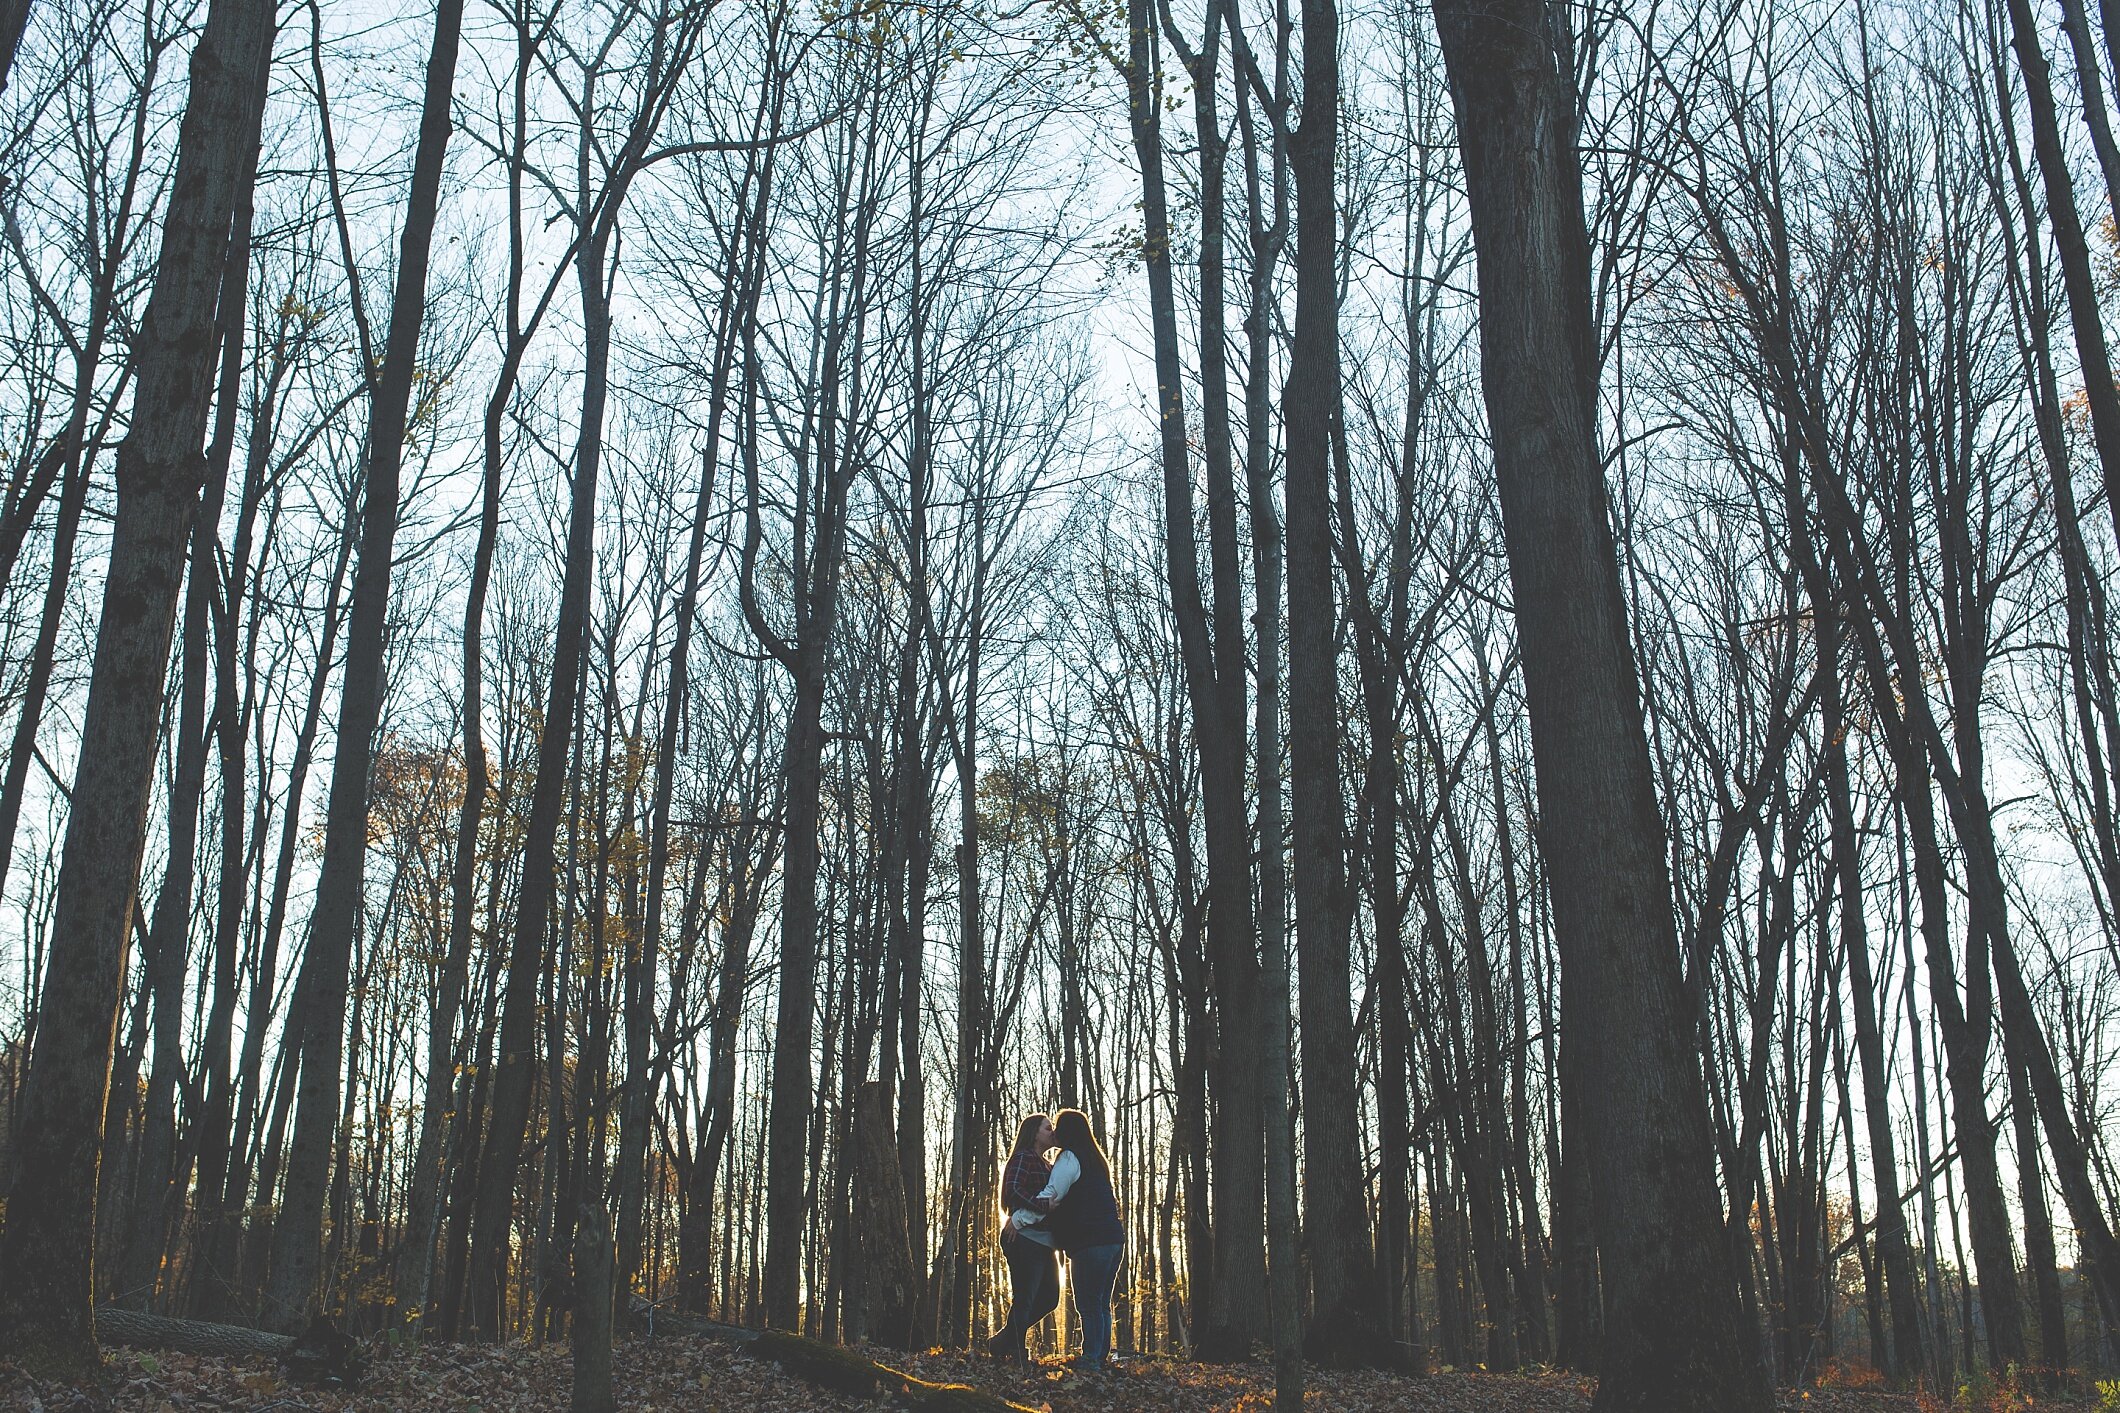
1071	1131
1027	1133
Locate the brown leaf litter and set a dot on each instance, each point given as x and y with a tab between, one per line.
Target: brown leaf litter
667	1375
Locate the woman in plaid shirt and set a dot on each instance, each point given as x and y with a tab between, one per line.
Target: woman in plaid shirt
1033	1269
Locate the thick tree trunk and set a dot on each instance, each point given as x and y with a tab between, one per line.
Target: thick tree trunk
47	1253
161	1175
1671	1340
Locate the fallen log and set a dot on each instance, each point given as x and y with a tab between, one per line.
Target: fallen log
135	1330
319	1355
835	1367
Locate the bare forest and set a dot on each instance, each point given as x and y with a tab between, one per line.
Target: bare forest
629	628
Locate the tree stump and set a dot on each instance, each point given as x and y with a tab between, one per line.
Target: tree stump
592	1312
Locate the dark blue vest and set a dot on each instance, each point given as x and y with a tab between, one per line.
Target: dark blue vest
1088	1215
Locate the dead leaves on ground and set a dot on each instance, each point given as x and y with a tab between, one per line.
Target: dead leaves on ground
671	1374
665	1376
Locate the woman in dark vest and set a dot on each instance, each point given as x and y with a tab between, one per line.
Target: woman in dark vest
1033	1270
1083	1216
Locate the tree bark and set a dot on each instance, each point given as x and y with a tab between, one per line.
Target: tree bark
161	1177
1671	1340
1346	1319
592	1313
14	19
47	1253
890	1286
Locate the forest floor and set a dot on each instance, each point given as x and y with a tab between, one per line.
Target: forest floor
670	1374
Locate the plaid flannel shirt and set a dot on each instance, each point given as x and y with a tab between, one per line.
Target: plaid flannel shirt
1022	1180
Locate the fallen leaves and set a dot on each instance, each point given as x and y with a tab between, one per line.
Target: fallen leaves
681	1374
663	1376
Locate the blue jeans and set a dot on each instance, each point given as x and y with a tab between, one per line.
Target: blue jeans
1034	1277
1094	1269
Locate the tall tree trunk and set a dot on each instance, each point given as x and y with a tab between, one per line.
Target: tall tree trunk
1234	1311
1894	1255
167	950
339	904
911	847
2078	280
819	552
597	212
794	1075
415	1270
1276	1068
516	1063
1671	1339
47	1253
160	1179
2038	1223
1346	1325
1237	1313
236	695
695	1265
636	1106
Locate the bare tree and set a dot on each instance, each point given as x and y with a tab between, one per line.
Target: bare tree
47	1255
1671	1336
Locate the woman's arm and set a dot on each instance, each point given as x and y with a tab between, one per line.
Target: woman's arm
1065	1170
1020	1182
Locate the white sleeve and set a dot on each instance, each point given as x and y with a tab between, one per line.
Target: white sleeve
1065	1170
